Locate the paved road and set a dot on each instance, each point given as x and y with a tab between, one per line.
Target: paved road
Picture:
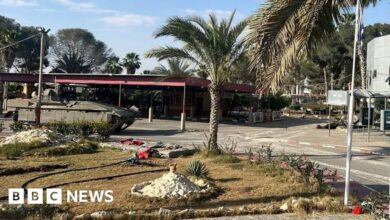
370	170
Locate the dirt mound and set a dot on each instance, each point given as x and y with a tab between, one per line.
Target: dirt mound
44	136
168	186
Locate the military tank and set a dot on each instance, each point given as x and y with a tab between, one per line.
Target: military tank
53	109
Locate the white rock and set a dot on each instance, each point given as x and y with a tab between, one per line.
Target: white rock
44	136
101	215
284	207
82	217
163	211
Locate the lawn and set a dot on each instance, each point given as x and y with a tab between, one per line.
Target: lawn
260	188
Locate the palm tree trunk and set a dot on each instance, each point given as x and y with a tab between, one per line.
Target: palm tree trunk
362	62
215	96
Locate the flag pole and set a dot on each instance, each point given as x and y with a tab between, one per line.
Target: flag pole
351	107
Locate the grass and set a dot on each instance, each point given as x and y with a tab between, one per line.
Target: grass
82	146
18	149
226	159
257	187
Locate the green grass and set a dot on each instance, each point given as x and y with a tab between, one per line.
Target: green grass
19	149
82	146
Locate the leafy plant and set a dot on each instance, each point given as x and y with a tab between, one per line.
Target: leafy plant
18	149
229	147
264	154
16	126
374	204
103	129
59	127
81	128
197	168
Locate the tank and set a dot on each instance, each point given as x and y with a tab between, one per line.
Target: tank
53	109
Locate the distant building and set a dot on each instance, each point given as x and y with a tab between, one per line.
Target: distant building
378	64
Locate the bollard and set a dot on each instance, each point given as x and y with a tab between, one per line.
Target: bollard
150	115
183	122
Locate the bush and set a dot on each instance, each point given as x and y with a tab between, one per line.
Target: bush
59	127
80	128
197	168
16	126
264	154
103	129
18	149
82	146
374	204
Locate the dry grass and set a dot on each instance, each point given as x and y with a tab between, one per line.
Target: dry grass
241	185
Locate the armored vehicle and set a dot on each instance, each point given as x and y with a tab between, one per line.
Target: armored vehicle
54	109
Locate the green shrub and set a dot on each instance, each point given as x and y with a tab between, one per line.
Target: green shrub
16	126
59	127
197	168
81	128
82	146
103	130
18	149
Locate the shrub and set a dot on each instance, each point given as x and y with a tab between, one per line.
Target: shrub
197	168
374	204
229	147
18	149
103	129
82	146
59	127
16	126
264	154
81	128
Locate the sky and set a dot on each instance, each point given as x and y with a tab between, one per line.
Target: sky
128	25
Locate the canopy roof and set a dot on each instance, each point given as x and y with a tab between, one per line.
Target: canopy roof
363	93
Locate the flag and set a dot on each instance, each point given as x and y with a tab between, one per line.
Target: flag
360	24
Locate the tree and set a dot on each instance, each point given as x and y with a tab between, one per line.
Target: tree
28	53
284	31
8	55
113	66
77	51
211	45
176	67
131	63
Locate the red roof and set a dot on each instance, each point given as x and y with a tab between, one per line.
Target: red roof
133	80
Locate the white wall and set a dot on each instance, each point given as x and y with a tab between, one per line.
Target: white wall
378	58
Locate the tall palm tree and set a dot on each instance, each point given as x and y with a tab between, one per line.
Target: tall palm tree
131	63
176	67
113	66
210	44
282	32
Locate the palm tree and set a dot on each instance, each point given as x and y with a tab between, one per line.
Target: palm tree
284	31
131	63
113	66
213	45
176	67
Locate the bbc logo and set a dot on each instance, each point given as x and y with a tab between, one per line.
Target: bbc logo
34	196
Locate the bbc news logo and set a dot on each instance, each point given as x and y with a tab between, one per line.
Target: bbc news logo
54	196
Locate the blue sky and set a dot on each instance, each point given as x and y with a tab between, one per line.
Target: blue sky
128	25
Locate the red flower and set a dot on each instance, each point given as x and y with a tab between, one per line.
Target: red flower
357	210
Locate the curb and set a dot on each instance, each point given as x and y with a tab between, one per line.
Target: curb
361	150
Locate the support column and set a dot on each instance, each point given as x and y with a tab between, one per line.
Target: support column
183	114
120	96
5	95
369	119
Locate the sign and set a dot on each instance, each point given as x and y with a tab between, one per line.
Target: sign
385	120
364	116
337	97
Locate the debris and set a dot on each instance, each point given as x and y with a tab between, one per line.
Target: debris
169	185
185	211
147	152
284	207
82	217
44	136
102	215
131	141
163	211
